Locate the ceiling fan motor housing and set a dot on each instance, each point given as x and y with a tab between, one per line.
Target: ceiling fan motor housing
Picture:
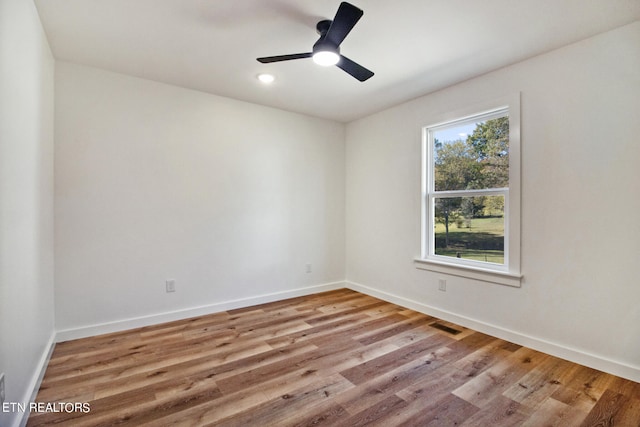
323	26
324	45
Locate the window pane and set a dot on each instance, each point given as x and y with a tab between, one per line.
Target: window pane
472	156
470	228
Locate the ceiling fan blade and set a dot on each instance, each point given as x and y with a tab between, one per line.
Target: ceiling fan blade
353	68
268	59
346	18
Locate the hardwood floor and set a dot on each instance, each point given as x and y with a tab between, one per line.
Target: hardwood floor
339	359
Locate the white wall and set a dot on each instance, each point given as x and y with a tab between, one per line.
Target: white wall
580	203
233	199
26	200
230	199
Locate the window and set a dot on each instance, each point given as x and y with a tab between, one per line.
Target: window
471	194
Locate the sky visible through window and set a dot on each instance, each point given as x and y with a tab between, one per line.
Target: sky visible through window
457	133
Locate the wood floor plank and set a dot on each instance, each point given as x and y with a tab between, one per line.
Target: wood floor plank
364	371
606	411
502	412
326	414
337	358
101	411
584	388
302	363
347	358
437	385
348	313
484	357
399	327
485	387
276	411
106	373
540	383
212	412
374	413
380	387
319	330
448	411
401	380
629	415
553	413
622	386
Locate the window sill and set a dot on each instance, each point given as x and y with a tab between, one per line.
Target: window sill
485	275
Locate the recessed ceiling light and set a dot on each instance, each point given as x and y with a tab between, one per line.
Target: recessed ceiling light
266	78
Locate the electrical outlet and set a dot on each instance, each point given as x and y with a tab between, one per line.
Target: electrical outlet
2	395
171	285
442	285
308	268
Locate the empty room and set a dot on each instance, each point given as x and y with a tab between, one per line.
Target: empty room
297	212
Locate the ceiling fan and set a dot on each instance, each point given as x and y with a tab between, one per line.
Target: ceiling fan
326	51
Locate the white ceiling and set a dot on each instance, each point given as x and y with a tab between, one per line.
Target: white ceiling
414	46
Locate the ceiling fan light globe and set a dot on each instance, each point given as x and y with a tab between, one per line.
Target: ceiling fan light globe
326	58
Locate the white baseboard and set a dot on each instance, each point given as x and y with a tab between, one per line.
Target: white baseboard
36	380
138	322
562	351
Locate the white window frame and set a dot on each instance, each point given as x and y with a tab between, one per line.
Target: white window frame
509	272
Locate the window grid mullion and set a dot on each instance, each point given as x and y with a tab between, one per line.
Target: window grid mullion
470	193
